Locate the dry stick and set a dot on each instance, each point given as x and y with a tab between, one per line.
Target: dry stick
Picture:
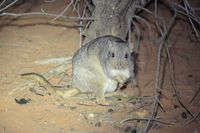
61	14
147	24
143	20
4	130
56	70
156	97
192	15
156	17
129	33
146	119
81	22
172	76
173	82
143	105
84	9
74	5
195	117
155	104
44	14
147	84
146	10
195	95
62	77
80	34
137	29
86	3
49	1
136	48
175	88
194	11
9	5
65	73
2	2
171	70
157	85
195	30
129	45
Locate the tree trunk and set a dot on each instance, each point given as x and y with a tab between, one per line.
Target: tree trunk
112	18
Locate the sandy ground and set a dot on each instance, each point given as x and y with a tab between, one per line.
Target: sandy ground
24	41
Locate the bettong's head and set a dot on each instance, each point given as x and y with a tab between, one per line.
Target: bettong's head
119	60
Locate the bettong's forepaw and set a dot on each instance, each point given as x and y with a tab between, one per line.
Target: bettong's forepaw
102	101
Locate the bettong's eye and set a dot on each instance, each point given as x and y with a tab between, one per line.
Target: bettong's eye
112	55
126	56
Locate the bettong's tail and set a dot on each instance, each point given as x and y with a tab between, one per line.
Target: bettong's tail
42	80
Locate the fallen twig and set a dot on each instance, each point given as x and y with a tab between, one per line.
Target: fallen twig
146	119
195	95
2	2
157	83
54	60
7	6
44	14
194	118
61	14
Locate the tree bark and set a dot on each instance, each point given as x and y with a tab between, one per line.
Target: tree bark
112	18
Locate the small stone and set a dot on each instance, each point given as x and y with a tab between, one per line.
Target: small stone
61	106
184	115
73	107
90	116
190	75
176	106
119	99
98	124
110	110
22	101
127	129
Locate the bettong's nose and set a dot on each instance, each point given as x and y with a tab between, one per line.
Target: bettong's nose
120	65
